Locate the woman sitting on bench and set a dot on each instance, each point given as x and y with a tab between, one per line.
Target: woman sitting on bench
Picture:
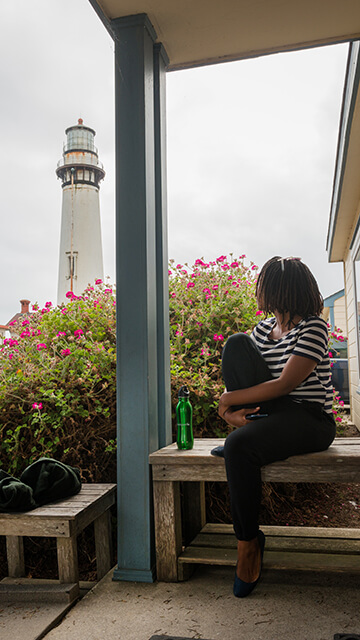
278	394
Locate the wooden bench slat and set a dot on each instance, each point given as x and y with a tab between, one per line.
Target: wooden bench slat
275	560
279	531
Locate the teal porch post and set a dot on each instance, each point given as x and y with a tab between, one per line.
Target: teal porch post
138	295
162	285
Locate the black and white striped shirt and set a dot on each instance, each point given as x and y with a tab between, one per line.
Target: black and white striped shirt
308	339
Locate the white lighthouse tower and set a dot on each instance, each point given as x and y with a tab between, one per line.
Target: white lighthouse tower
81	260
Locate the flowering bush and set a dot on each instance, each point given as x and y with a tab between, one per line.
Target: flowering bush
57	384
209	301
58	374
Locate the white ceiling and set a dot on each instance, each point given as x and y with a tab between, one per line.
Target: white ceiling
196	32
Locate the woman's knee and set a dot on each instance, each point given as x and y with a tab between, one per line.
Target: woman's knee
235	444
238	341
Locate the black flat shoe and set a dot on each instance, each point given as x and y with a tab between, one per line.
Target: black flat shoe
241	588
218	451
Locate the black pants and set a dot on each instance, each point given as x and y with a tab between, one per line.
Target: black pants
291	428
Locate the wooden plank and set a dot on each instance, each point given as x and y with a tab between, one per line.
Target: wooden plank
189	473
26	526
37	590
318	545
324	532
275	560
103	544
340	463
67	560
194	509
202	447
286	471
93	511
15	556
167	516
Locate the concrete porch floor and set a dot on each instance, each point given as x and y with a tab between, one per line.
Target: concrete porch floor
284	606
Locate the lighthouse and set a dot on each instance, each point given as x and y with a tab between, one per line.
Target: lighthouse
80	260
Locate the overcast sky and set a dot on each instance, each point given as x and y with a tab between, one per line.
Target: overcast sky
251	148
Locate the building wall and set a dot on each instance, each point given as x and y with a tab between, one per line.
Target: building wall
340	315
352	339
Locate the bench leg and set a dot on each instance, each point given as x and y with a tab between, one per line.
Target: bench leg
167	515
103	544
15	556
67	560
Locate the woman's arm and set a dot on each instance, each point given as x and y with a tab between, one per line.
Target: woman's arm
296	370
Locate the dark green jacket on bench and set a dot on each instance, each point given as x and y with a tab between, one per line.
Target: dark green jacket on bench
42	482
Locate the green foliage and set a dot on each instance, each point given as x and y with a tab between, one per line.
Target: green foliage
208	303
58	371
57	384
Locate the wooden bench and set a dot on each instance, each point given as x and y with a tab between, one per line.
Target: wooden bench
316	548
64	520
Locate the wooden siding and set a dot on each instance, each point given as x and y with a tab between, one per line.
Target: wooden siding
352	341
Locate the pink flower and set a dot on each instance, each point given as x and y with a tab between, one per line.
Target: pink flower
199	263
98	281
208	295
338	419
64	311
234	264
221	259
36	332
48	305
61	333
330	354
173	295
65	352
190	284
78	333
206	291
25	334
254	267
25	322
205	352
35	307
258	313
41	346
179	333
214	287
37	405
341	403
108	291
179	266
70	295
169	272
218	336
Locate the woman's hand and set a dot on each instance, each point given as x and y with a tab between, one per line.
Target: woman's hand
238	418
224	404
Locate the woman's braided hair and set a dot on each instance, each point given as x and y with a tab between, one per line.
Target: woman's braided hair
287	285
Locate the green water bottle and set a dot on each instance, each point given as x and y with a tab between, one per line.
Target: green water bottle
185	438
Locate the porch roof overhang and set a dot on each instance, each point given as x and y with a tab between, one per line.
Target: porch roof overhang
344	210
202	32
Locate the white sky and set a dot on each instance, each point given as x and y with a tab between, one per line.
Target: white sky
251	148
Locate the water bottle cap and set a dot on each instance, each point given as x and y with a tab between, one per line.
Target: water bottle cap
184	392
